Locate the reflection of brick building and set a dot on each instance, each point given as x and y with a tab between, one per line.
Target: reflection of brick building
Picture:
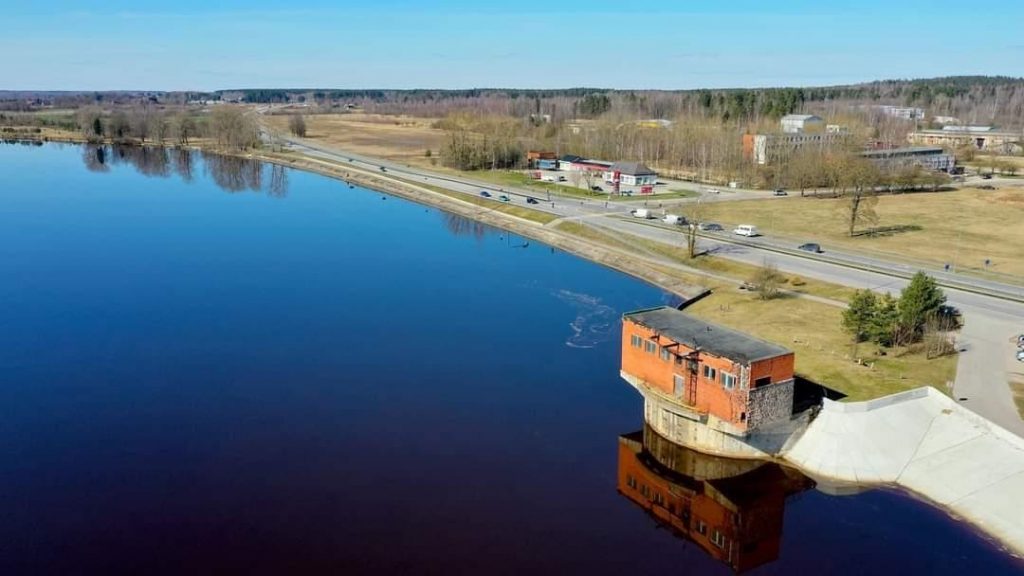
720	377
732	509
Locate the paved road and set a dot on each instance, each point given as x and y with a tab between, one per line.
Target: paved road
989	319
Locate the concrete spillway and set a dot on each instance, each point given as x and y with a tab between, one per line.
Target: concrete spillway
923	441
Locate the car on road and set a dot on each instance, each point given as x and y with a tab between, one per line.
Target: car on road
810	247
596	189
504	198
485	193
561	178
532	200
383	169
986	176
1020	355
710	227
780	192
748	230
986	187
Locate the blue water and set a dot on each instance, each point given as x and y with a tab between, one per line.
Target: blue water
295	376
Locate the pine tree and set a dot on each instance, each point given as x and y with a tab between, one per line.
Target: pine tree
921	298
859	317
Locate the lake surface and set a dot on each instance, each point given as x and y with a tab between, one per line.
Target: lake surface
212	366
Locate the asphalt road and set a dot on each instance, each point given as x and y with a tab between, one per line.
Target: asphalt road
993	312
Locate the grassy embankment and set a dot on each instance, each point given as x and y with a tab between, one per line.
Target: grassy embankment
811	328
962	226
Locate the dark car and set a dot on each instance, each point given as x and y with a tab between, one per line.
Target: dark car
504	198
383	169
596	189
986	176
532	200
811	247
781	192
710	227
485	193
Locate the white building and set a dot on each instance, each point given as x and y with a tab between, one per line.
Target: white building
802	123
902	112
631	174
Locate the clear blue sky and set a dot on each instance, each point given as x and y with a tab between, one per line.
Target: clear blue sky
212	44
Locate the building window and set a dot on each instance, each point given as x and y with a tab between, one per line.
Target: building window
709	372
702	528
630	481
718	539
650	347
659	499
635	341
728	380
665	354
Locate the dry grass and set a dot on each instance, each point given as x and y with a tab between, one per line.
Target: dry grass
965	226
823	350
402	139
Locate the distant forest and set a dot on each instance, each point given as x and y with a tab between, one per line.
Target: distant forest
973	99
978	99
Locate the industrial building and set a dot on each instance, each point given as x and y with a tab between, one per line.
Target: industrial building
930	158
717	376
978	137
768	148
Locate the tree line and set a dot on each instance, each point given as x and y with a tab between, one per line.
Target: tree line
228	127
889	321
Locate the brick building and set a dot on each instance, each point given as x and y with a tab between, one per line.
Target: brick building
706	373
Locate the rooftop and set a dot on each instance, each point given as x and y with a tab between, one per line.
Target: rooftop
908	151
632	168
800	117
698	334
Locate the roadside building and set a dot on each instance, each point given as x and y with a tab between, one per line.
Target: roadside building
978	137
930	158
720	377
631	174
541	159
733	510
802	124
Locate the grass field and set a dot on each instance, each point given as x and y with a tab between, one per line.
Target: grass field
398	138
962	227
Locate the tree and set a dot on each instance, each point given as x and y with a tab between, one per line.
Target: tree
97	127
183	127
694	216
766	281
859	176
232	129
919	300
297	125
859	317
885	327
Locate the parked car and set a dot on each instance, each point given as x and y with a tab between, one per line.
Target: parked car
748	230
485	193
596	189
986	187
810	247
1020	341
561	178
504	198
780	192
532	200
986	176
710	227
1020	355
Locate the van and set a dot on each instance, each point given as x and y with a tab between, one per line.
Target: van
673	219
746	230
642	213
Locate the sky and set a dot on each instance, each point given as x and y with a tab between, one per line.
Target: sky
223	44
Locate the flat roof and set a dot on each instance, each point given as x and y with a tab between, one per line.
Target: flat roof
707	336
908	151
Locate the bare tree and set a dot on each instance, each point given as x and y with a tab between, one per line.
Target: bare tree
694	216
766	281
297	125
232	129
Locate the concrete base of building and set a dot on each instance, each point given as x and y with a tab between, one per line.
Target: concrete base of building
710	435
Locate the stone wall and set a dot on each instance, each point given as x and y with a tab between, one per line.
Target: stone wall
770	404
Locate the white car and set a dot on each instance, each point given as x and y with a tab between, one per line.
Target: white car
746	230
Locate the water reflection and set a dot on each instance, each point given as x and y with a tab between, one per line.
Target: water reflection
731	509
229	173
463	226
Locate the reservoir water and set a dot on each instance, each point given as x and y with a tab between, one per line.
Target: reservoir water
213	366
